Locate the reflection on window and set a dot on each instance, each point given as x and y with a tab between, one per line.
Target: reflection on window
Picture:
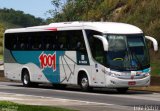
63	40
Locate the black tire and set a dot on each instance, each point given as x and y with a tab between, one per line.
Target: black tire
84	83
26	79
122	90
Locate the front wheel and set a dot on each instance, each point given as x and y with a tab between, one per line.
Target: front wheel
84	83
122	90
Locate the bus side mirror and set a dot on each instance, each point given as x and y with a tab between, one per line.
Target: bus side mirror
104	41
154	41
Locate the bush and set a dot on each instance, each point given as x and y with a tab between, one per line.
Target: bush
1	50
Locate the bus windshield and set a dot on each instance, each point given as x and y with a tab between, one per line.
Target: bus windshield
127	52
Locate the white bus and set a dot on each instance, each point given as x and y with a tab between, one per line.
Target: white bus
89	54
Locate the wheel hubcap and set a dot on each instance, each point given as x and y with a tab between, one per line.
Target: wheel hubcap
84	82
25	79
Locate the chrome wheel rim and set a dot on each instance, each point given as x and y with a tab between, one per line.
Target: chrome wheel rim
25	79
84	82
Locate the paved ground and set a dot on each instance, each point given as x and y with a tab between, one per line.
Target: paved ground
66	103
98	100
1	67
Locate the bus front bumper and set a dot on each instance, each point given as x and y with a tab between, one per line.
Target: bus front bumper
113	82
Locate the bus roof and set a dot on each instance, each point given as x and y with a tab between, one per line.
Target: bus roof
104	27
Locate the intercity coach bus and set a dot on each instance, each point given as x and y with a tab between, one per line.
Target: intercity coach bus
88	54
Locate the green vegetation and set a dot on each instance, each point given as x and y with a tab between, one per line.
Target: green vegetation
149	88
142	13
12	18
9	106
1	39
155	66
1	57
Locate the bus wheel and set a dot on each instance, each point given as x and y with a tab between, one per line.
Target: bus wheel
84	83
26	79
122	90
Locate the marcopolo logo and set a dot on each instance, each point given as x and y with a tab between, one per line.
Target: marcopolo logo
48	61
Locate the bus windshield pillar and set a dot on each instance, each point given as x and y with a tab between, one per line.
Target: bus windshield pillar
104	41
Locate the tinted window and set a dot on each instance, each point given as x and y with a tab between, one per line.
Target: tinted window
63	40
96	46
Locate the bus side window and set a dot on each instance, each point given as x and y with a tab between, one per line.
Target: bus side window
54	46
47	46
23	44
96	46
81	47
78	45
48	43
98	53
40	44
14	46
36	43
62	41
72	40
11	41
7	44
76	41
62	46
14	43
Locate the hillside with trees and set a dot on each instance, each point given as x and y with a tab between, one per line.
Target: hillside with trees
143	13
1	38
12	18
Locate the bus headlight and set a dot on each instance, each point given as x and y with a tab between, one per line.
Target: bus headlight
113	74
147	74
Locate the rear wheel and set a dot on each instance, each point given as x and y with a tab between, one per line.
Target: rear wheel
122	90
26	79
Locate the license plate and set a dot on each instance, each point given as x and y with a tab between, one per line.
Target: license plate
131	83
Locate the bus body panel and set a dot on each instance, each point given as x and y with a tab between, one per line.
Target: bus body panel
63	67
66	71
12	71
113	82
98	77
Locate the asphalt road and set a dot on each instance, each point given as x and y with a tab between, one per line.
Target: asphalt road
101	96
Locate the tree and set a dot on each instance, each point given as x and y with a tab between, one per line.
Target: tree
75	10
1	38
57	4
19	18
